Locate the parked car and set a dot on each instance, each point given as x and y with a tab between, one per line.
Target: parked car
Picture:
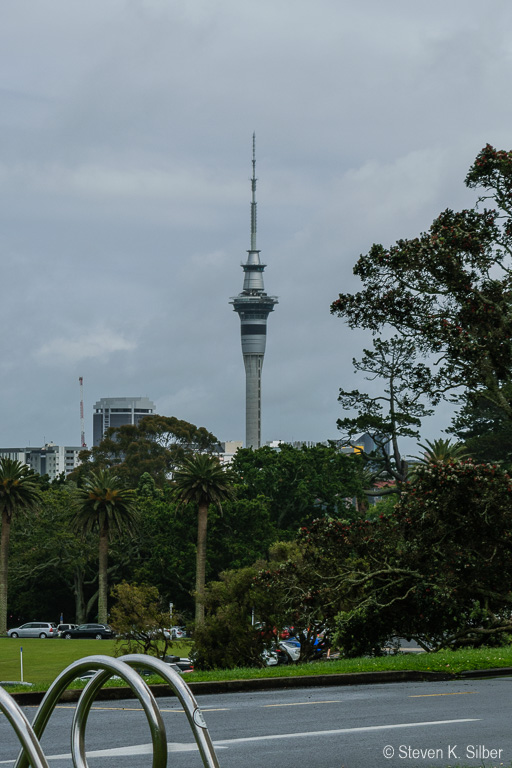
64	627
96	631
40	629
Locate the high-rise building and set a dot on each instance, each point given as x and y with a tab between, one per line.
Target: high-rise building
253	306
117	411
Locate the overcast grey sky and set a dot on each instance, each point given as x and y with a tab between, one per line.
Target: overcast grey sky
125	158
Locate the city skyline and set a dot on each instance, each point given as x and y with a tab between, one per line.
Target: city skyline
123	176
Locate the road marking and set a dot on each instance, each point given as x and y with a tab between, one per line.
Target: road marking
338	731
455	693
302	703
138	749
144	749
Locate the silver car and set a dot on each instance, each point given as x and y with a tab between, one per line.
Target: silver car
41	629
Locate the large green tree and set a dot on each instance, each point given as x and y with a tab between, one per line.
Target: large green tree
103	503
155	446
201	480
18	494
298	484
450	289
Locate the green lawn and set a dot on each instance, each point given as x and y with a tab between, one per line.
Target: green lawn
44	659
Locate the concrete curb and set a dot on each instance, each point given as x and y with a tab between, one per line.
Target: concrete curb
498	672
31	698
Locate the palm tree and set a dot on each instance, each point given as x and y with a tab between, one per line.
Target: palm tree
18	493
200	479
440	450
104	504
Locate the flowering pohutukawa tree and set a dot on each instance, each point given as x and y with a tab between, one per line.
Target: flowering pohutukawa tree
446	567
449	290
436	568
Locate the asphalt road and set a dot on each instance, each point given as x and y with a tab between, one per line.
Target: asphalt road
388	725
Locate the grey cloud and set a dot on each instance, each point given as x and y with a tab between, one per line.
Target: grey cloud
124	192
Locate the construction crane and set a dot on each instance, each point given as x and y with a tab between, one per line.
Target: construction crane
82	427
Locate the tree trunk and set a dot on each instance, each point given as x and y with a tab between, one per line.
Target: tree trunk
202	522
4	562
89	605
102	577
78	589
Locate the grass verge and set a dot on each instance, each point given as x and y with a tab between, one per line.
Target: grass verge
44	660
444	661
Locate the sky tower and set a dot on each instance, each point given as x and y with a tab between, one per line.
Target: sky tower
253	306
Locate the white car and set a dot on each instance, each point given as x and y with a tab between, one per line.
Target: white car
177	633
65	627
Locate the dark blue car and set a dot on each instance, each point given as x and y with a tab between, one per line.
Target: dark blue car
94	631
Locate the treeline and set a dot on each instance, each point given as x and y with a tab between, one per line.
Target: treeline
53	570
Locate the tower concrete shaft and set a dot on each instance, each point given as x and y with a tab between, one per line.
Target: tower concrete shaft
253	306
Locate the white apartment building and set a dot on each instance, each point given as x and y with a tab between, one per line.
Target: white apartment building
52	460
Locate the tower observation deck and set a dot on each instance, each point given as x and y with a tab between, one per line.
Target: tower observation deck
253	306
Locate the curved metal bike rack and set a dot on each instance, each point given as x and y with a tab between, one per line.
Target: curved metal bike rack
29	735
23	730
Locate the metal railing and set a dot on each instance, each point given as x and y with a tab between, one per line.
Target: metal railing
29	735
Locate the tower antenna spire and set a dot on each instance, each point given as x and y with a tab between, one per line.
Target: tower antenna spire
253	199
253	306
82	427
